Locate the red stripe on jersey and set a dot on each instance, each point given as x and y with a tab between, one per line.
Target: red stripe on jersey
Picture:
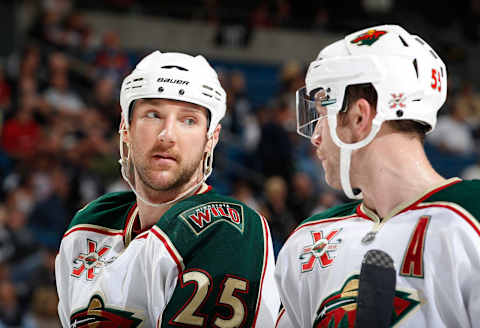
362	214
105	232
204	192
144	235
428	195
282	312
411	206
466	218
265	228
320	222
169	249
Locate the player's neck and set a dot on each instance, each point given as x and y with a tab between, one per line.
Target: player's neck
149	215
394	170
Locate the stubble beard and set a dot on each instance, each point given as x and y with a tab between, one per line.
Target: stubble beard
173	183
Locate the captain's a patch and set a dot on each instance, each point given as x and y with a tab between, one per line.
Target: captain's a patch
206	215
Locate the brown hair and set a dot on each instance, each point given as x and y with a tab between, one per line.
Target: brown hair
368	92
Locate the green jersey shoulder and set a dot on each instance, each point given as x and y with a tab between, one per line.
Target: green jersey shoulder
206	216
108	211
334	212
463	193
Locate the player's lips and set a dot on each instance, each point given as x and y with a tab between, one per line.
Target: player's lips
164	158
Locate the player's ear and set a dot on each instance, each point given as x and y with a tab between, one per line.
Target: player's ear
361	115
214	138
124	131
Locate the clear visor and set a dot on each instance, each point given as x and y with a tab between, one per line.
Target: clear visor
310	110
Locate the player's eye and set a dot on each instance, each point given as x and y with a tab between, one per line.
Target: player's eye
189	121
152	115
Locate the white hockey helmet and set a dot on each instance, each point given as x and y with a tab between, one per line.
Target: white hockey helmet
409	77
175	76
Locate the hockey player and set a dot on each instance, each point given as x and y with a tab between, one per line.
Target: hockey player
172	252
369	100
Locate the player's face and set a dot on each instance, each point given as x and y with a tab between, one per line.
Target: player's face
167	140
326	150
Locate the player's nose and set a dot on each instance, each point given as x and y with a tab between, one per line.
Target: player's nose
316	138
167	133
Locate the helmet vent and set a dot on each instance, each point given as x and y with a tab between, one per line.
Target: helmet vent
209	88
433	54
420	41
175	66
415	64
136	86
403	41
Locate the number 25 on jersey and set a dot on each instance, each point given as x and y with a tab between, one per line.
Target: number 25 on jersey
228	296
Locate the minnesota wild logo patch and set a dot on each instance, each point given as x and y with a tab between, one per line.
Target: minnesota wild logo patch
368	38
92	261
204	216
97	315
339	309
322	250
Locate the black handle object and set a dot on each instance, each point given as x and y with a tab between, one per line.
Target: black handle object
376	290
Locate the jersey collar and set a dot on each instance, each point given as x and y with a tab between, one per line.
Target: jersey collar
132	223
364	211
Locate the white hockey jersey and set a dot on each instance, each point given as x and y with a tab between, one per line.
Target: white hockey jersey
434	242
208	262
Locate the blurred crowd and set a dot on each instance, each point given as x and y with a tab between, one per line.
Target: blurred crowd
336	15
59	115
